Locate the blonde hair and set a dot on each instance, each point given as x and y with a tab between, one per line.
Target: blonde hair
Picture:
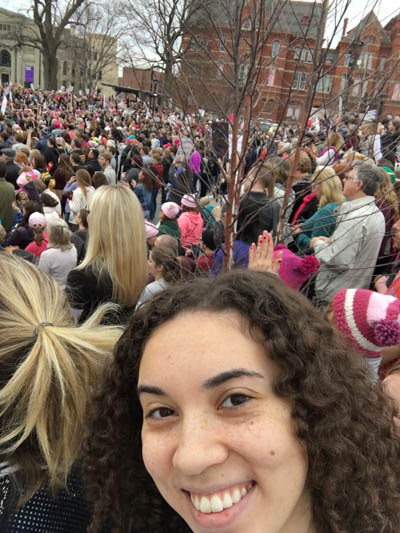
59	235
334	139
267	173
331	186
303	164
83	180
47	375
386	192
117	242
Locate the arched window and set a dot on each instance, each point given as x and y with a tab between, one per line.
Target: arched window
65	66
276	46
297	54
5	58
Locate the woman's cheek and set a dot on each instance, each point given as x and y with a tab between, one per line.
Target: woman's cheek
154	451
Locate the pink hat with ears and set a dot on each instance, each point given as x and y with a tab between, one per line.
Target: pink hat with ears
170	210
37	219
295	270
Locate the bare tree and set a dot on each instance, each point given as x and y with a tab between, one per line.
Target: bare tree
51	18
98	28
157	28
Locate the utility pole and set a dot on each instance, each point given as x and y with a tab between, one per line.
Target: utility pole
306	111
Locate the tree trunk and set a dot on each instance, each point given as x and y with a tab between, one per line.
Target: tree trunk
49	69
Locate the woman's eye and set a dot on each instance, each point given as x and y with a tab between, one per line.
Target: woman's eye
160	412
235	400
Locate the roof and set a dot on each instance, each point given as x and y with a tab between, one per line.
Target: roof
297	18
356	32
14	15
286	17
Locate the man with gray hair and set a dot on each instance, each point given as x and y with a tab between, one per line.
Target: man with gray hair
349	255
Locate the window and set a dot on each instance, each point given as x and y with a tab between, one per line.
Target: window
99	75
64	83
382	62
222	44
347	60
73	72
297	54
197	44
65	67
324	85
305	21
370	40
5	27
243	73
303	54
5	58
299	81
271	77
95	56
396	92
370	57
309	56
246	25
276	48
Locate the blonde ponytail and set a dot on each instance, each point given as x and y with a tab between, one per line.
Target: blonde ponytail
47	374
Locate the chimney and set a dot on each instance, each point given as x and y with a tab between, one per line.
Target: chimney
345	22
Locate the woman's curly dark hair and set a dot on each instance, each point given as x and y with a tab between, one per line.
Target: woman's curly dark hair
344	420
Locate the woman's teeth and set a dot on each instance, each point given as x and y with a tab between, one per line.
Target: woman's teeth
215	503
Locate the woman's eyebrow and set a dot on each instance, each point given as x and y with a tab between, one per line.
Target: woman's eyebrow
221	378
150	390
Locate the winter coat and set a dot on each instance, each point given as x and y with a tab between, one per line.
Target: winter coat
348	259
191	226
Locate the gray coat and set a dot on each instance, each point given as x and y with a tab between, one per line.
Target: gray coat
348	259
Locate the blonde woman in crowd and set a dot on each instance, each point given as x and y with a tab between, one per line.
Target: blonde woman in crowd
48	370
61	255
115	265
327	187
81	197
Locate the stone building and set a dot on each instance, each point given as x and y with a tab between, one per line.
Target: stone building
18	63
82	63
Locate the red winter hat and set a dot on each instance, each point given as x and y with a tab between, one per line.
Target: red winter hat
295	270
368	319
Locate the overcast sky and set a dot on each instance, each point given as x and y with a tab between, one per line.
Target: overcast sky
384	9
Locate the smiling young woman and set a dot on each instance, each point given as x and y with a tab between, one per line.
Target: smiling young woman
233	400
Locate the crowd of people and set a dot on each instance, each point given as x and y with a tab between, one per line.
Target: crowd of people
145	389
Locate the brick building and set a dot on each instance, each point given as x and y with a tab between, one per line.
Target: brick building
352	75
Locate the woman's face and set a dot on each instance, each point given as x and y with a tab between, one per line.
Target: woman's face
219	444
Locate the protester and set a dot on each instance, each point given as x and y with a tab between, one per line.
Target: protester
349	255
61	256
169	213
218	417
49	370
327	187
7	198
190	223
165	269
81	197
115	265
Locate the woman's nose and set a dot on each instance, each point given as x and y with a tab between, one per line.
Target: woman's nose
201	445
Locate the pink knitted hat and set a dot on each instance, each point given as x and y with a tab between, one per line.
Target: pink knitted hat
368	319
37	219
170	210
295	270
151	230
189	200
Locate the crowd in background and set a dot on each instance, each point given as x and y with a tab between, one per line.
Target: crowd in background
113	221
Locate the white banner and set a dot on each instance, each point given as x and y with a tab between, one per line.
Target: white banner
4	104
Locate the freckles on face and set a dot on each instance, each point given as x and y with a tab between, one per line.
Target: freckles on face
215	434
